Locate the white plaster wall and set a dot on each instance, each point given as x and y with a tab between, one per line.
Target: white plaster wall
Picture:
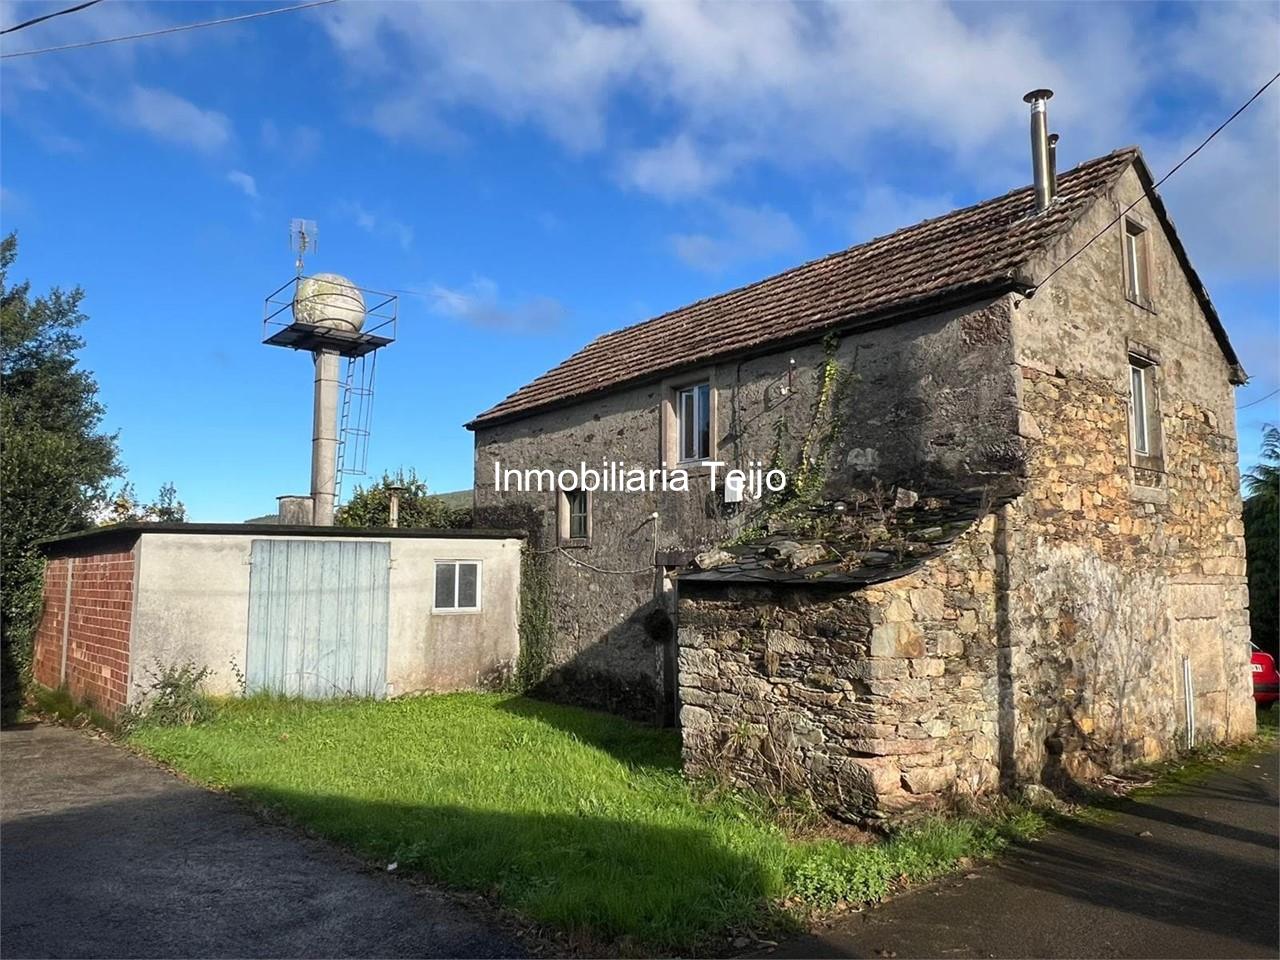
452	651
192	603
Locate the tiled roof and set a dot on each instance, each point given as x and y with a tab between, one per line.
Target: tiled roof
970	250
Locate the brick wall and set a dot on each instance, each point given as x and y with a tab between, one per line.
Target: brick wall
98	635
46	664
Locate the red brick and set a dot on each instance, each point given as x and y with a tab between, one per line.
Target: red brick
98	631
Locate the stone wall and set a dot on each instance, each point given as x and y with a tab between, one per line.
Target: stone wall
872	703
933	399
1113	583
1117	571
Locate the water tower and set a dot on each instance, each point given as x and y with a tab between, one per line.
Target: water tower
342	326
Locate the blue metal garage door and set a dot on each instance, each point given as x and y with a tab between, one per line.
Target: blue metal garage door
318	618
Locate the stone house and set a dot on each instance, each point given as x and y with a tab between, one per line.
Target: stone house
1010	547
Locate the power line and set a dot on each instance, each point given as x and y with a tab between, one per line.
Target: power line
48	16
1261	90
1259	400
165	30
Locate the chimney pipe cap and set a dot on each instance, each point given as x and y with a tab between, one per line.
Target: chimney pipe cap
1034	95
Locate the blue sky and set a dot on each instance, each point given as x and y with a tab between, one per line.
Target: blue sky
540	173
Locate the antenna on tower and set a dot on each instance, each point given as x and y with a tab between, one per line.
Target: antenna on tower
304	235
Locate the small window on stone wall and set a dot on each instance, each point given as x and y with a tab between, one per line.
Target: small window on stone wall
575	518
1144	414
693	416
1137	273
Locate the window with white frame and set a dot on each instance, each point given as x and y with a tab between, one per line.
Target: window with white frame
457	585
693	419
1137	282
1144	407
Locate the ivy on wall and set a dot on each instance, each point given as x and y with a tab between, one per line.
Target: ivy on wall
805	460
536	627
537	631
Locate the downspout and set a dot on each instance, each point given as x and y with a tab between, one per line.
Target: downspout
1006	710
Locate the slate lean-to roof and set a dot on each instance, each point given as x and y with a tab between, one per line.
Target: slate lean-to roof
870	543
971	252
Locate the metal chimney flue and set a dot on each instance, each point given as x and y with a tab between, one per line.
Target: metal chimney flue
1053	165
1041	162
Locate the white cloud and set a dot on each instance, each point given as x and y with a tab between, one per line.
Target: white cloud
732	84
743	234
479	304
170	117
245	182
687	100
676	168
548	64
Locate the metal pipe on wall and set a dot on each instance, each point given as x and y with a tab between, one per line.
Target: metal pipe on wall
1189	702
324	438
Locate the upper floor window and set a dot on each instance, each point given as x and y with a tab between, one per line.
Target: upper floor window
1136	272
575	517
693	417
457	586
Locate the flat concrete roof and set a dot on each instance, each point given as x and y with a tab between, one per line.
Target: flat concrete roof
129	532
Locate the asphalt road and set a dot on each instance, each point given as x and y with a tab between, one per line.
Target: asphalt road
1192	874
103	855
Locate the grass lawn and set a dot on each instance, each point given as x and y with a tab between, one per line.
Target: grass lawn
577	820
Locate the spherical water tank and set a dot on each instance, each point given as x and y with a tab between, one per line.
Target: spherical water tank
328	300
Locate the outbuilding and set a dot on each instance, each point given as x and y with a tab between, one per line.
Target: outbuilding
300	610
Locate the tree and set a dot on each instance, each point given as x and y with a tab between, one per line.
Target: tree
371	506
1262	541
55	460
126	508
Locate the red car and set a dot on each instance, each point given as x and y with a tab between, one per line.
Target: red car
1266	682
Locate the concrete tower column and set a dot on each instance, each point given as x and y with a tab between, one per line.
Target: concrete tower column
324	438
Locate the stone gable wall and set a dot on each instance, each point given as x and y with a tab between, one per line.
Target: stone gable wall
1118	572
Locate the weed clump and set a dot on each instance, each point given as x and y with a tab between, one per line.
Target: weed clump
172	696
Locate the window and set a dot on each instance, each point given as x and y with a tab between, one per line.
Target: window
575	517
1138	392
457	585
693	416
1144	412
1135	262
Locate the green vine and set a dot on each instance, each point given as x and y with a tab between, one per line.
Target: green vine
537	631
536	624
806	478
